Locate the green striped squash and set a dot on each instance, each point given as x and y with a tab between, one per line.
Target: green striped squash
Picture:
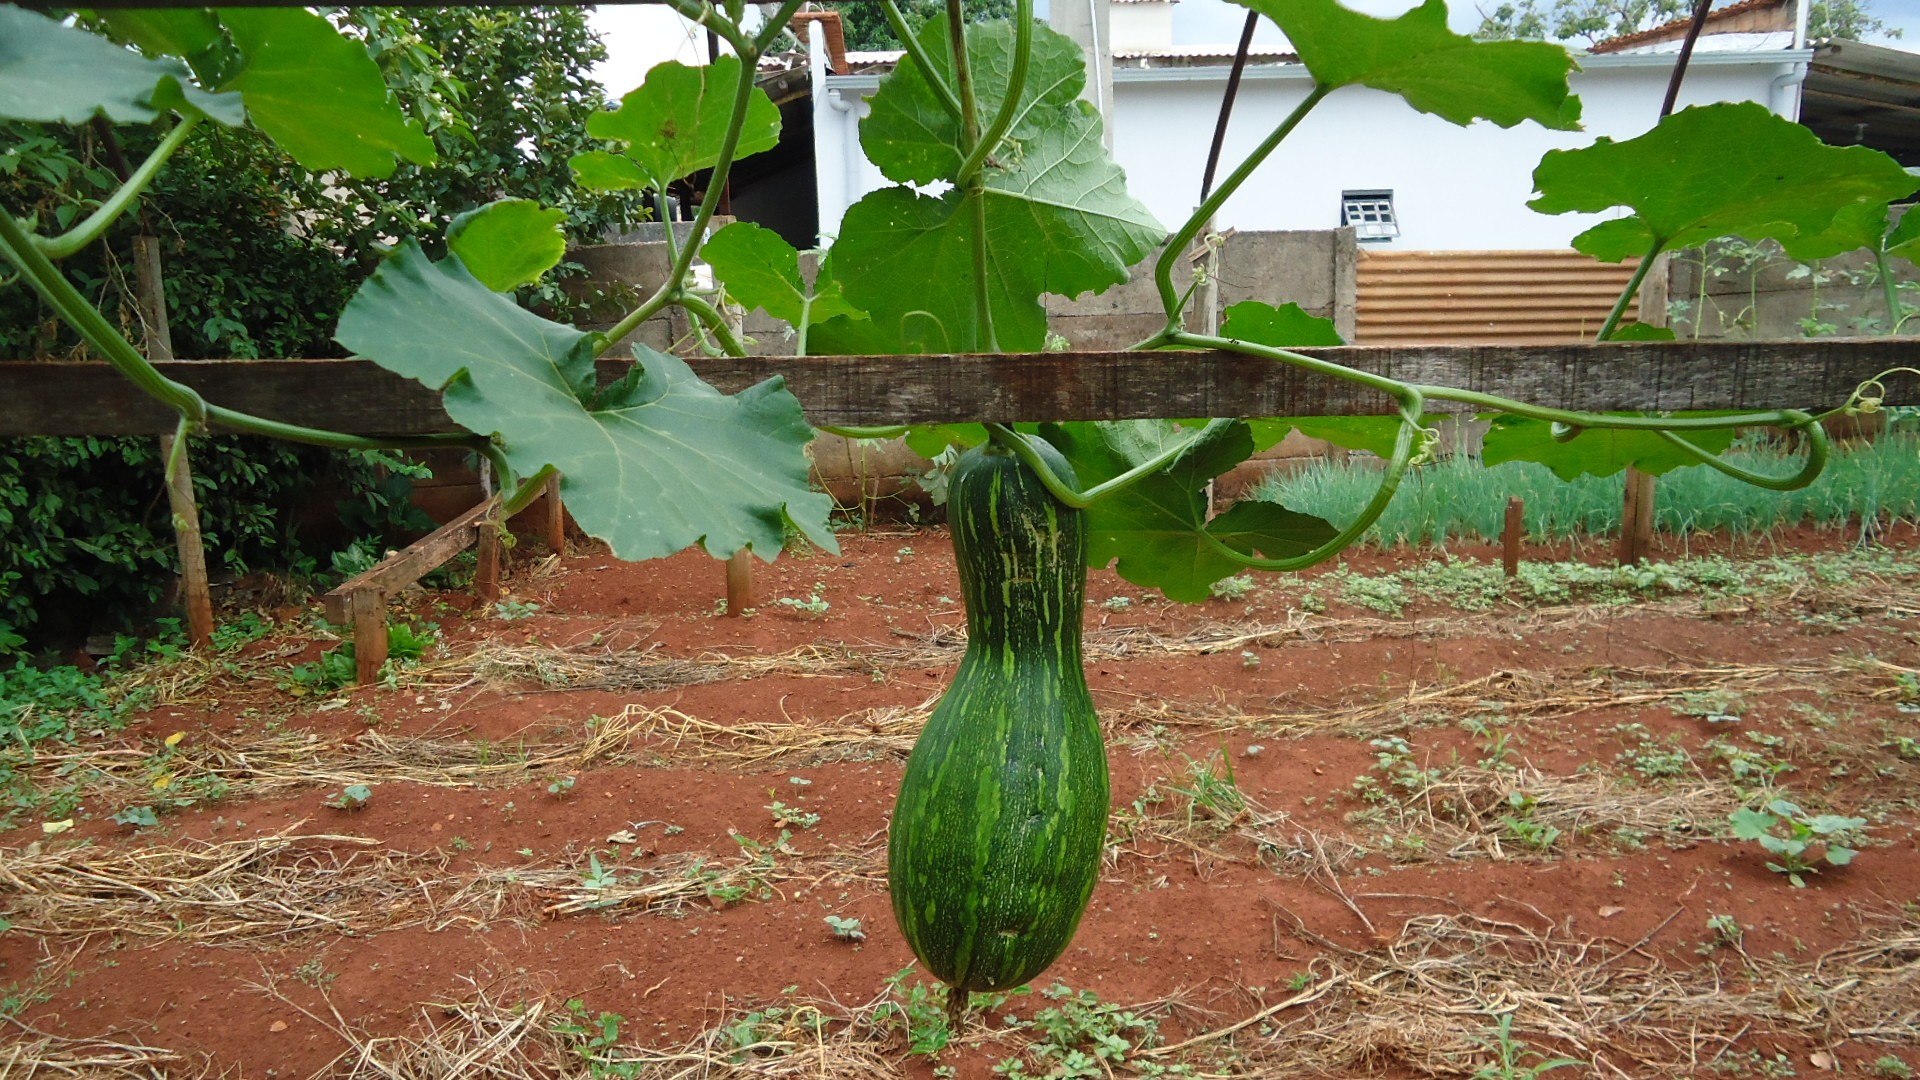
998	831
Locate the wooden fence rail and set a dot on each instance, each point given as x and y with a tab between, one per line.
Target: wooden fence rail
38	398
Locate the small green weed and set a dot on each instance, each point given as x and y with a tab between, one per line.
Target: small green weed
784	815
1237	587
1512	1059
813	607
1889	1067
515	610
1798	841
1084	1037
561	787
335	670
350	798
846	929
1211	792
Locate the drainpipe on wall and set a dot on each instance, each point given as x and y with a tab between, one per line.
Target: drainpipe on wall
836	174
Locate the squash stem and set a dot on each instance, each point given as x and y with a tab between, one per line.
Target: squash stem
956	1009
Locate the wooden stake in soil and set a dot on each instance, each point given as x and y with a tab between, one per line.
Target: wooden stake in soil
486	570
369	611
1636	518
1510	536
556	518
739	582
151	299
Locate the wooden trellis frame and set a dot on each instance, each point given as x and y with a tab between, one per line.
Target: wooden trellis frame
358	397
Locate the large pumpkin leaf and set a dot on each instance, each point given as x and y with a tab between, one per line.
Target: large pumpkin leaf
1732	169
761	270
652	464
1154	530
56	74
1288	326
1053	206
319	95
1436	70
509	242
673	125
911	139
1594	451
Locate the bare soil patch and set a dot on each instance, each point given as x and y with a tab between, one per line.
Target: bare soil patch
605	829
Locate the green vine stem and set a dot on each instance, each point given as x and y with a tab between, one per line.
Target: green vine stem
715	323
1170	301
888	432
1080	500
1890	286
941	91
1010	105
529	490
975	189
17	246
128	193
1408	446
1818	447
709	17
671	290
1627	294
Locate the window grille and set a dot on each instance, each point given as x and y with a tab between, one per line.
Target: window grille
1370	213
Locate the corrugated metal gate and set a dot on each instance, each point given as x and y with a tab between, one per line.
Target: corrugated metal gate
1484	297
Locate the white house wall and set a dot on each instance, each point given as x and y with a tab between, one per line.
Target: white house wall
1454	188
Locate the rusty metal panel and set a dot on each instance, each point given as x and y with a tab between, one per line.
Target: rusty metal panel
1484	297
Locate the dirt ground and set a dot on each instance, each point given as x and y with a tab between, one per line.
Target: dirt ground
1344	842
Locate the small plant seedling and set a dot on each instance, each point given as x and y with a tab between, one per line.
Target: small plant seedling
1799	842
1513	1060
1249	659
1236	587
140	817
784	815
515	610
352	797
846	929
813	607
1889	1067
561	787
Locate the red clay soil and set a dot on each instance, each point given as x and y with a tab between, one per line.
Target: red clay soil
1201	915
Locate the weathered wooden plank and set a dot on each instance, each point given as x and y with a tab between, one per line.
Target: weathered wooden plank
356	396
403	568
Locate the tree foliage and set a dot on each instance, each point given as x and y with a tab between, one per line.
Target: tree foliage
1594	21
867	29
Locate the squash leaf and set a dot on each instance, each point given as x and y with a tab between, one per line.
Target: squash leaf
509	242
1056	214
1153	531
1288	326
1434	69
56	74
1594	451
652	464
674	125
761	270
319	95
1732	169
911	139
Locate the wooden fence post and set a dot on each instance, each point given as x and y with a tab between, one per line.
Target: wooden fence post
739	582
1510	536
1636	518
556	518
196	594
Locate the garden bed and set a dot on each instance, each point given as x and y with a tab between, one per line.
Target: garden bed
1359	817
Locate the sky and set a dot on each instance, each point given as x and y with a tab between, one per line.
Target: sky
639	36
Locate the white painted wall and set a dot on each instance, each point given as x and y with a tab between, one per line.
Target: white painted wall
1454	188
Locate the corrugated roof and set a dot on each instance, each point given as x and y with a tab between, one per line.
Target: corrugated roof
1262	52
1655	33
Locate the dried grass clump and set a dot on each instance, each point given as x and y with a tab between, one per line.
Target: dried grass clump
29	1054
1428	1001
236	891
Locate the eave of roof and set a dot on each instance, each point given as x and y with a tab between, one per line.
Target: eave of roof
1655	33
